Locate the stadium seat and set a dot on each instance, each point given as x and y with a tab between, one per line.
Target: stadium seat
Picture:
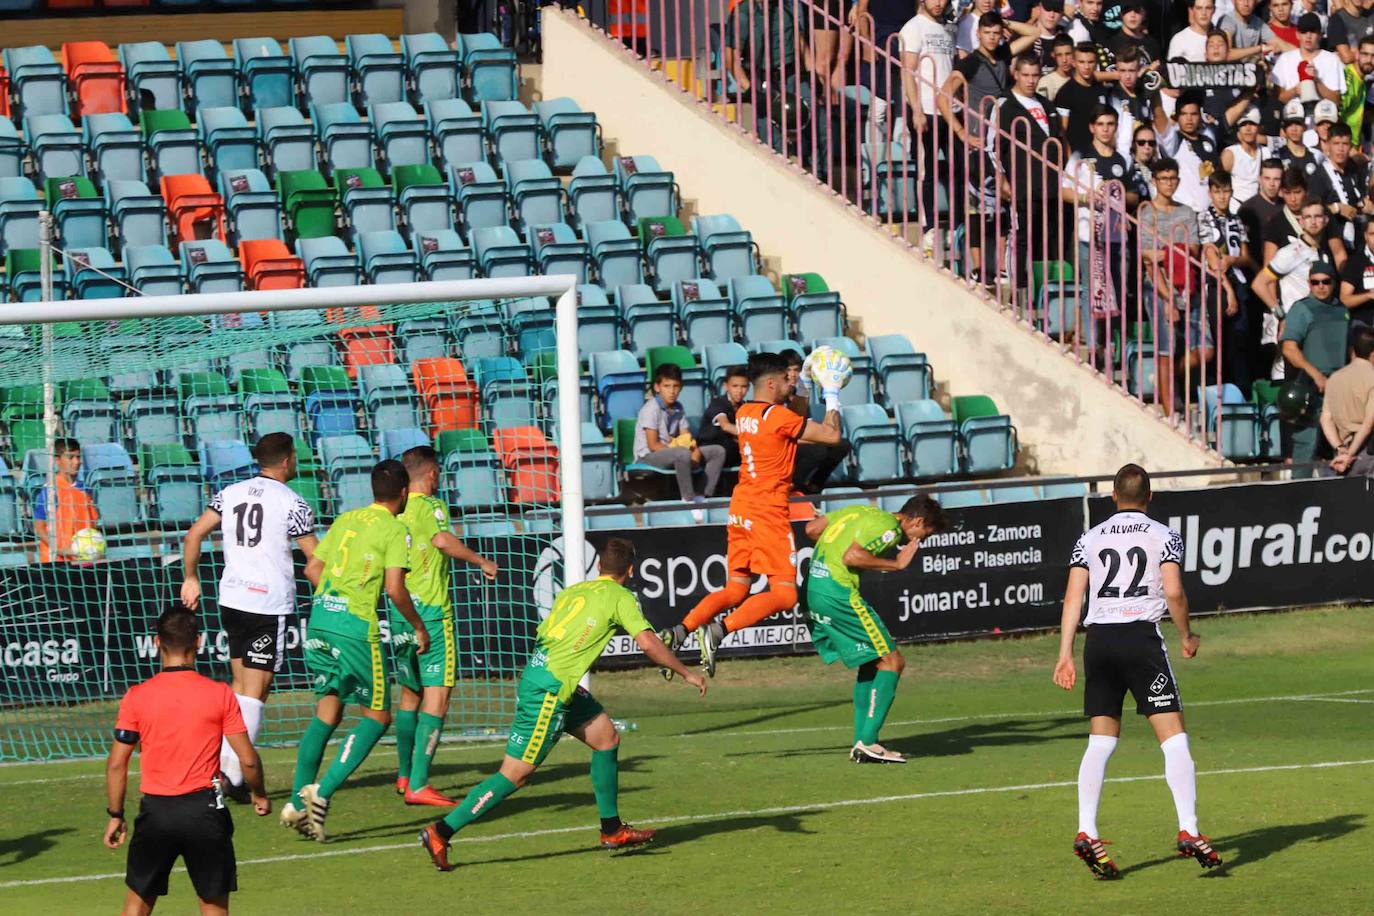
116	148
598	322
760	310
109	473
816	310
195	211
345	139
308	489
512	131
421	338
138	216
530	321
347	452
536	196
37	81
210	409
500	252
365	201
694	394
932	438
210	267
93	274
1013	494
96	77
153	270
530	462
328	262
23	272
570	132
324	72
366	346
703	313
620	386
593	193
1240	438
889	176
329	400
11	150
598	465
444	256
267	74
228	140
903	374
402	136
308	204
55	146
649	321
617	255
268	264
19	209
424	199
557	250
173	481
10	526
962	499
716	358
448	396
385	257
378	70
131	362
286	139
482	199
210	77
860	390
388	397
490	71
472	474
876	442
669	251
1063	490
269	405
173	145
508	399
152	75
729	252
396	442
253	205
989	439
840	497
433	67
480	332
623	436
89	414
457	131
1265	395
645	188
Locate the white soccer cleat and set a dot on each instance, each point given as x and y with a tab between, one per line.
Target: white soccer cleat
293	818
316	810
874	753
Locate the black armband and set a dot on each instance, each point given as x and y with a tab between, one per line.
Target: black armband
117	815
125	736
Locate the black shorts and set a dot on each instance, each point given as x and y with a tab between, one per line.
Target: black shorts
193	827
259	640
1118	657
838	9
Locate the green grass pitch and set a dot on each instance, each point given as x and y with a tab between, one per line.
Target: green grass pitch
759	809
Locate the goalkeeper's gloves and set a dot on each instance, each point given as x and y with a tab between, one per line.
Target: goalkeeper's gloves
831	381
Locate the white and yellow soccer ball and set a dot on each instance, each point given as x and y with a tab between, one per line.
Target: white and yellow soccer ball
829	367
88	544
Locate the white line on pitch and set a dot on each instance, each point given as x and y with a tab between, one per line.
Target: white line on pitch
720	815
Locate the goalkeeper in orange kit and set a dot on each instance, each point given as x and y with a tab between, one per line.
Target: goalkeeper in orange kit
759	529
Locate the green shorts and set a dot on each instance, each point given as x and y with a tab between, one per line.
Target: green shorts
354	669
541	719
436	668
843	626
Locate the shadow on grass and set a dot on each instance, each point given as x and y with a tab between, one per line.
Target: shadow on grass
1259	844
14	850
955	742
445	776
759	719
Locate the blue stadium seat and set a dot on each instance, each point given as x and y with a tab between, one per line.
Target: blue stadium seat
457	131
728	250
556	249
421	338
598	323
89	414
1140	362
10	526
116	147
328	262
500	253
173	144
646	190
889	175
229	141
1240	422
324	73
1063	490
620	385
209	266
287	140
487	525
1013	494
93	274
531	322
903	374
445	256
226	461
649	321
19	209
138	216
151	74
876	441
174	484
816	312
152	420
536	196
478	333
781	345
932	438
78	212
388	396
253	206
153	270
508	398
345	139
593	193
482	199
210	77
347	452
37	81
109	473
330	411
616	254
759	309
211	411
365	200
571	133
512	131
598	465
396	442
716	358
962	499
125	352
670	252
473	480
490	70
378	70
269	405
425	201
11	150
602	521
703	313
1059	308
433	66
989	439
836	498
402	136
385	257
55	146
268	75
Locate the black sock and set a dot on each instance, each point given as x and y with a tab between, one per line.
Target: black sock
610	825
444	830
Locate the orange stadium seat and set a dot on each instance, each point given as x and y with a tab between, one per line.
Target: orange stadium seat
449	396
366	346
196	211
96	76
267	264
531	464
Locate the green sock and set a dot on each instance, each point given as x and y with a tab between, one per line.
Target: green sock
405	741
606	782
426	743
308	756
884	690
354	751
487	794
863	684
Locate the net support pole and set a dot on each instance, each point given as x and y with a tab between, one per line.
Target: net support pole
570	439
45	233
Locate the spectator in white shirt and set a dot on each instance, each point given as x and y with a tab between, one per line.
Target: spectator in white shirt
1309	73
1190	44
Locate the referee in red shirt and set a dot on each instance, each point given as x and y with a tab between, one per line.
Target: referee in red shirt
179	718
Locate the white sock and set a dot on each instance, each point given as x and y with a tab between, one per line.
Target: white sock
251	709
1181	776
1092	772
229	763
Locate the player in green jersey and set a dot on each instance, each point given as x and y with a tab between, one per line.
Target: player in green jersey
550	703
365	551
426	679
843	626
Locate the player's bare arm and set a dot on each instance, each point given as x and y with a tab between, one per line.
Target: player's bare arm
453	547
116	784
856	557
190	556
1065	675
1178	607
307	545
816	527
654	649
314	569
826	432
252	771
396	590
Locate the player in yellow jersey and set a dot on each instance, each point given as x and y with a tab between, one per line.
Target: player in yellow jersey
582	621
427	679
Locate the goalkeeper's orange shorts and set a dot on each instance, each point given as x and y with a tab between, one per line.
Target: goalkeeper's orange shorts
761	547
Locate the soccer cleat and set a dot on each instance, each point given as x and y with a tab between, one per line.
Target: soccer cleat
293	818
316	810
626	837
429	796
1093	852
436	847
672	637
1198	847
710	637
874	753
402	785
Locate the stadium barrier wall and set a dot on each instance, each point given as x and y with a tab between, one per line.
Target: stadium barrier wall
1077	421
1002	569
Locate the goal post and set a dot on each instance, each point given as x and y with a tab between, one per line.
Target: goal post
75	635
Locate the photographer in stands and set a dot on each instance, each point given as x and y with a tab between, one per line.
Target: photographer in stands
1347	417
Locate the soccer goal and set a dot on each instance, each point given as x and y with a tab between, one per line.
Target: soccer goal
166	394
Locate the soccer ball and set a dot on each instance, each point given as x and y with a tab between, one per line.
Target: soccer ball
827	362
88	544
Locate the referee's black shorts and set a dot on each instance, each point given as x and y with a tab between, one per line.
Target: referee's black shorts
257	640
1121	657
192	827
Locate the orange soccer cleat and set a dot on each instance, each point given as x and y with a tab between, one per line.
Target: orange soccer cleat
626	837
437	847
429	796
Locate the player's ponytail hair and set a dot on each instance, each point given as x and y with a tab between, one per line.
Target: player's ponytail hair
617	557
